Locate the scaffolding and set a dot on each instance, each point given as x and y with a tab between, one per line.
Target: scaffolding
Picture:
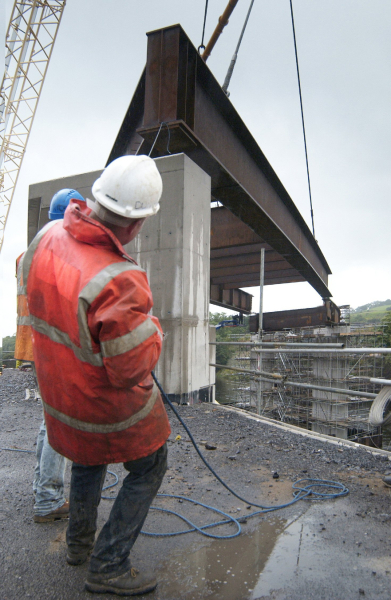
292	358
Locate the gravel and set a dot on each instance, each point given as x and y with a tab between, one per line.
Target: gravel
246	454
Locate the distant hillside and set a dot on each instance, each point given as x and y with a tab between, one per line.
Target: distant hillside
370	313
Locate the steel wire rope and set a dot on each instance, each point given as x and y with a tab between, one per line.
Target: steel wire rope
157	135
201	46
302	118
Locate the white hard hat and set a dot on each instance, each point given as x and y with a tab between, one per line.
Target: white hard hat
130	187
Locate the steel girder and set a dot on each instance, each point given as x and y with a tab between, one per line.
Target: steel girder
178	95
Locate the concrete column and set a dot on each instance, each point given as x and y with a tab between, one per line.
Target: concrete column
174	249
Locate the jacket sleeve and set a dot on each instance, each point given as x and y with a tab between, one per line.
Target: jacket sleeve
130	339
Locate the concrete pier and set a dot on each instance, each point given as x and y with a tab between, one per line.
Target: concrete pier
174	249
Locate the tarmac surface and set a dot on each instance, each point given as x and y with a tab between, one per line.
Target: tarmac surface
337	549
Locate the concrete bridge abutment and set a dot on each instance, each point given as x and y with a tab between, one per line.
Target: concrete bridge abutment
174	249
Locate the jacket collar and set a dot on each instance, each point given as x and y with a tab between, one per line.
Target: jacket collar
80	226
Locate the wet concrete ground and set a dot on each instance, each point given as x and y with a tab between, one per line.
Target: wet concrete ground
334	550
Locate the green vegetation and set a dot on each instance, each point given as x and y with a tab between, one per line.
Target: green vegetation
8	348
374	312
387	331
224	353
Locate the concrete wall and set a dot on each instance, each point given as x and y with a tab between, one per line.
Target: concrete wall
40	195
174	249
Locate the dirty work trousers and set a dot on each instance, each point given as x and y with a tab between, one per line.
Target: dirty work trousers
49	474
48	484
116	539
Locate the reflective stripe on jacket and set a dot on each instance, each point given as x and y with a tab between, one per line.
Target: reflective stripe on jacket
95	344
23	343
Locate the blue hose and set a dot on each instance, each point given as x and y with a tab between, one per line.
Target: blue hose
303	489
309	491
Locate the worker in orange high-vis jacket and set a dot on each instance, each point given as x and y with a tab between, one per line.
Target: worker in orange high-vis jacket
48	485
95	344
23	342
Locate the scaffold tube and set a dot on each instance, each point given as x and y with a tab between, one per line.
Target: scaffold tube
325	350
274	377
282	344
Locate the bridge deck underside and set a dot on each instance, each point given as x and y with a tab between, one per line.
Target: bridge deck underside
235	255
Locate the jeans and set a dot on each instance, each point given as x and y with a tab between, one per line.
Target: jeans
48	482
127	516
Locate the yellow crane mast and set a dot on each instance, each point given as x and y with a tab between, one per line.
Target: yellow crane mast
30	39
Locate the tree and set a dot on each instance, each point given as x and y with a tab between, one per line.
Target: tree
387	330
224	353
8	348
387	339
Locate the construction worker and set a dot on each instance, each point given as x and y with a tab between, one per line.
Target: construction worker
48	485
89	304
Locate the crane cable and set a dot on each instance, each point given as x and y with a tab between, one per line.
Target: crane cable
302	119
235	56
201	46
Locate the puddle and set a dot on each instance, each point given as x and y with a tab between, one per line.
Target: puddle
284	563
303	554
223	570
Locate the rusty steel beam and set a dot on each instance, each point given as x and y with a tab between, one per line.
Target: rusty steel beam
235	250
233	299
236	279
243	259
202	122
228	232
275	268
328	314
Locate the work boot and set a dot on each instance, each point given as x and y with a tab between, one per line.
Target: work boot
131	583
60	513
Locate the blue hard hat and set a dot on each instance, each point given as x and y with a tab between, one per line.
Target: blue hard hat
60	202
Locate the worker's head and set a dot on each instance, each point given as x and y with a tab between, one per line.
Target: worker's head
60	202
127	192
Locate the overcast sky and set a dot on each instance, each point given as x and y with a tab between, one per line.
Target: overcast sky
344	51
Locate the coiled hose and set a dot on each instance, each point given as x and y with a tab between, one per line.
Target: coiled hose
378	408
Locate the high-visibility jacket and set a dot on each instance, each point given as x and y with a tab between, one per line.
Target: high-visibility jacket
94	342
23	343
